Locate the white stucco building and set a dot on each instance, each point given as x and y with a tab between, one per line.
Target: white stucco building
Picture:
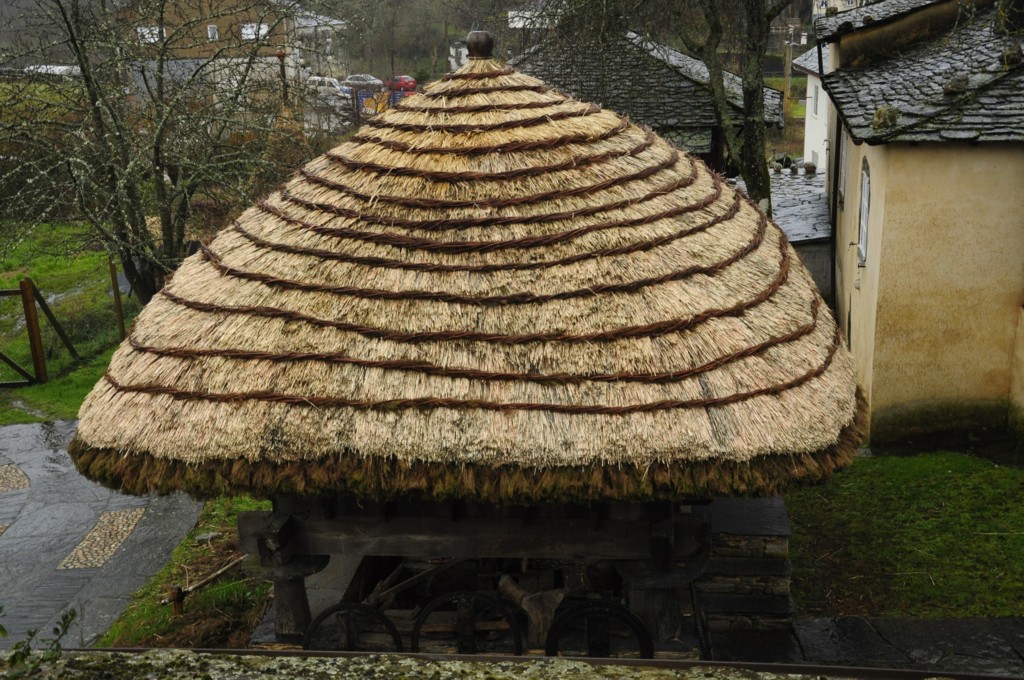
816	120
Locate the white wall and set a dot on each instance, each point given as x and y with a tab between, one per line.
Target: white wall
816	124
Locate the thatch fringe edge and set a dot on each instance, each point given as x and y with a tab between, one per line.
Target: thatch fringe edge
383	479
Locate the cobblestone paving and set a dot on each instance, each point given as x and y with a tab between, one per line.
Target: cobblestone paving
100	544
68	543
12	478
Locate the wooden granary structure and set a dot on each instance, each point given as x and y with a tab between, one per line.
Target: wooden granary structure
496	318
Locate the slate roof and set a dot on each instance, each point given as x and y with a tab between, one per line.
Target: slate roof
799	205
828	28
649	83
990	109
808	61
697	71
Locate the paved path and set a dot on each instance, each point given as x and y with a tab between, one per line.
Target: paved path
976	646
67	542
989	646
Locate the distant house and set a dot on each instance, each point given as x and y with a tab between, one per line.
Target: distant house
821	8
816	118
929	222
249	33
319	44
650	83
800	208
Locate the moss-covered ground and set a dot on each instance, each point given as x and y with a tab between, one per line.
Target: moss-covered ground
938	534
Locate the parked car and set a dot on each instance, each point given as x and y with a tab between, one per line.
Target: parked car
406	83
328	87
363	81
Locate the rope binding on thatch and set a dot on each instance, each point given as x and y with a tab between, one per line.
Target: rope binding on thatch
490	292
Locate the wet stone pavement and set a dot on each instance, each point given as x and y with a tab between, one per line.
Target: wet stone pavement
985	646
67	542
974	647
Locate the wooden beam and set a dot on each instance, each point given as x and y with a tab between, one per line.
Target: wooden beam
275	540
468	537
17	369
35	340
118	308
54	323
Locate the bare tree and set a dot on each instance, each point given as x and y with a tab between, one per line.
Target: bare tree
139	119
389	37
745	150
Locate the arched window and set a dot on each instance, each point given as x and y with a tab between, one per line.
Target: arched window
865	206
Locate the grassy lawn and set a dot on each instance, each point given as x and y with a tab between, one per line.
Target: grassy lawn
933	535
58	399
797	84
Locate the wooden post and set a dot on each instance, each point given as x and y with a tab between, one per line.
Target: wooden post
787	71
35	340
118	309
291	606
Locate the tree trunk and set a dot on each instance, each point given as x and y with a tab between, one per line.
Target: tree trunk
712	59
753	164
1011	16
140	278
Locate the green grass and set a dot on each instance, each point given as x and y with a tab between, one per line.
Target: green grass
934	535
797	91
58	399
73	275
56	252
210	614
797	84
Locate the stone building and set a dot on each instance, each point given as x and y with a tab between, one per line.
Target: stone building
816	118
924	189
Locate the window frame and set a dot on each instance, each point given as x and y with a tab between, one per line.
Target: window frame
254	31
150	35
864	214
842	165
212	32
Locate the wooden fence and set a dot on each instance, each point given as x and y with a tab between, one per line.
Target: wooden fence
33	302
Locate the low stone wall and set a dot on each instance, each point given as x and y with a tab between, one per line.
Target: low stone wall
175	664
747	583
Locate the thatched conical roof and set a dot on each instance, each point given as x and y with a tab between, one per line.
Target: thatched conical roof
491	292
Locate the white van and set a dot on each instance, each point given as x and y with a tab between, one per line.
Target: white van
328	87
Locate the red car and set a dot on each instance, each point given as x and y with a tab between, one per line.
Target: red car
406	83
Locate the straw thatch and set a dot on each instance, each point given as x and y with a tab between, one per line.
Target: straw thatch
492	292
